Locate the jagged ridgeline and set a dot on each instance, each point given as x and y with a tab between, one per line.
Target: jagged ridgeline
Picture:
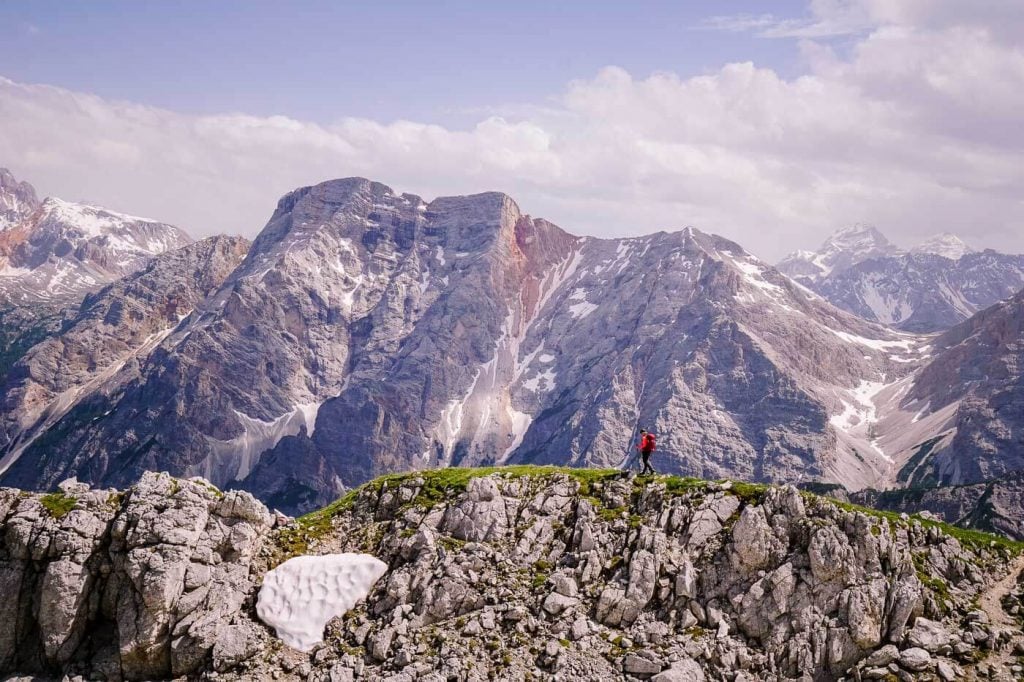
366	331
511	573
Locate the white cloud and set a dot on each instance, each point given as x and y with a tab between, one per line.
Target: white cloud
915	129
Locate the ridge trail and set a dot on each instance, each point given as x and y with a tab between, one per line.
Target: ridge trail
991	603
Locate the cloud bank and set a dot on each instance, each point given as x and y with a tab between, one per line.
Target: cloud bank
913	126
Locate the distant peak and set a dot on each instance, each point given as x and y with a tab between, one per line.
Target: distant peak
859	233
944	244
17	199
844	248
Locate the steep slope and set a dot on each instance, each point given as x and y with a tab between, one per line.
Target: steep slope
938	284
976	381
369	332
520	573
54	251
106	344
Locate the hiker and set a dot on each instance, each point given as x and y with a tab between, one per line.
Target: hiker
646	447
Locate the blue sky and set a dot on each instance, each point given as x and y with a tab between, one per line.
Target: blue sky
439	62
772	123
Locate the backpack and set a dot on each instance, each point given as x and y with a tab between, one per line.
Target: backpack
649	442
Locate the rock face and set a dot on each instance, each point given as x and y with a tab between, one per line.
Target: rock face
103	347
139	585
55	251
936	285
976	377
369	332
18	200
514	575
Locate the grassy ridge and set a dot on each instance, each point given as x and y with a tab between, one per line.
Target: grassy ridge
442	484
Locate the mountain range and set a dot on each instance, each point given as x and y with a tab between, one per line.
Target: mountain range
366	331
929	288
53	252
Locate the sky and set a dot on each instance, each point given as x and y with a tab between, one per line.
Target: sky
771	123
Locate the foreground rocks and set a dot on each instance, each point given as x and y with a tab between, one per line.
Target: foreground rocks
141	585
525	574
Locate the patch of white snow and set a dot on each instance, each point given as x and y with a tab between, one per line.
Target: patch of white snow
299	597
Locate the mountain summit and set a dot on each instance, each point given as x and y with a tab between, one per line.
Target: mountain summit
843	249
946	245
17	200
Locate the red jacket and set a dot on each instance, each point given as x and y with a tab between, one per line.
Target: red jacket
647	442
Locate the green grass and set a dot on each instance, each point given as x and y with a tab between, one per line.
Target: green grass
939	588
58	504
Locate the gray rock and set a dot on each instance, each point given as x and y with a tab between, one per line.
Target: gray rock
915	659
556	604
948	671
683	670
642	664
883	657
928	635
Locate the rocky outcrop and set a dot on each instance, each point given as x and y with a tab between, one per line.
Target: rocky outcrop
521	573
140	585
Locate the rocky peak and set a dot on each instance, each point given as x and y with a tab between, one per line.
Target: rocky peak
845	248
17	200
946	245
859	236
64	250
859	271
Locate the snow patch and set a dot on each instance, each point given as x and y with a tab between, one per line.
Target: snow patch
299	597
877	344
258	436
753	274
858	418
547	376
581	310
